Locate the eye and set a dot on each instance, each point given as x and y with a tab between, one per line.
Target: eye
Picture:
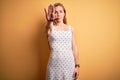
61	11
55	12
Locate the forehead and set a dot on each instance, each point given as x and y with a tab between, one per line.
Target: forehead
58	8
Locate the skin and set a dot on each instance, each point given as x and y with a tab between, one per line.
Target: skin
58	16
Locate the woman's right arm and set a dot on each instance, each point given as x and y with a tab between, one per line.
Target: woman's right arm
49	18
49	27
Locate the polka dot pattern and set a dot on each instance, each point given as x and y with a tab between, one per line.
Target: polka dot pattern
61	61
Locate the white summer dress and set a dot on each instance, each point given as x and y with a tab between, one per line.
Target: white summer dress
61	61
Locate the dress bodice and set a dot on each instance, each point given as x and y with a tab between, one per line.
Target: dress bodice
60	39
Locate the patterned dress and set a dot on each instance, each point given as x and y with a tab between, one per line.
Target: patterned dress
61	61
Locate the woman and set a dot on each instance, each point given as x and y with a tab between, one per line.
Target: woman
63	61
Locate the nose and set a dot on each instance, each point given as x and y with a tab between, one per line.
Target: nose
58	14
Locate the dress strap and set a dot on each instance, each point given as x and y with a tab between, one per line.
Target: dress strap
70	28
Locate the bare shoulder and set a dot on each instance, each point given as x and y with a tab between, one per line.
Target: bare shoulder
72	28
69	26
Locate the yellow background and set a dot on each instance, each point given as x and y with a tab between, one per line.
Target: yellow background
24	48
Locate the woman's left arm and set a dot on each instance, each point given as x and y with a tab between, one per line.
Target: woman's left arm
76	56
74	47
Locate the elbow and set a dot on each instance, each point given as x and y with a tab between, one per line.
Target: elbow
75	51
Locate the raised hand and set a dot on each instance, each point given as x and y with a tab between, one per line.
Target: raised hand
49	14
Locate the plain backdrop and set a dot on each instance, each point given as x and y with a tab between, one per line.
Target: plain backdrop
24	49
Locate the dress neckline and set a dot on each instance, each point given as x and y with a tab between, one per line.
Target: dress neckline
62	30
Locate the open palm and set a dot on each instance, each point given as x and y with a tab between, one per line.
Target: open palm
49	14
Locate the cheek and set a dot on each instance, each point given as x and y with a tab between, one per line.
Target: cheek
63	15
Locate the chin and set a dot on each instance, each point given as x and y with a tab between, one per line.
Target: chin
60	20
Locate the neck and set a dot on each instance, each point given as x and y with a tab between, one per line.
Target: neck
59	23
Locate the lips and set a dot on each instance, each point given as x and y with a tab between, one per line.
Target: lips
57	18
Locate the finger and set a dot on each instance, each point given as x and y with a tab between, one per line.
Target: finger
74	74
50	6
77	75
45	13
50	9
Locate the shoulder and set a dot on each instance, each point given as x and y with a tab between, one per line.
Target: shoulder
72	28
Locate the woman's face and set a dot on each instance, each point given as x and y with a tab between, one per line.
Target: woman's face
59	14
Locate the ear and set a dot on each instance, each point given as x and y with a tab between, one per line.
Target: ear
64	14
